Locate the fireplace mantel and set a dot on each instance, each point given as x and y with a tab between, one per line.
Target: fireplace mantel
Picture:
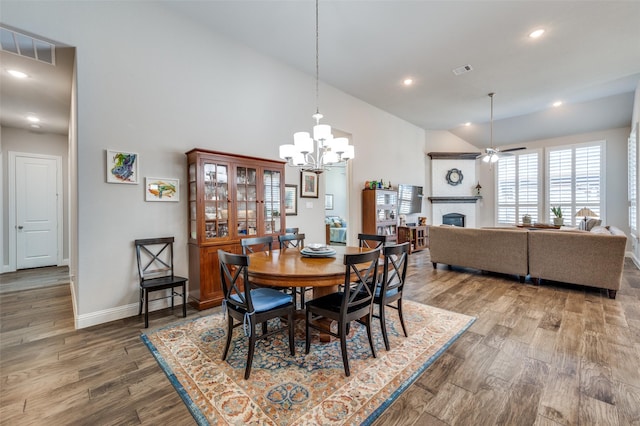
453	200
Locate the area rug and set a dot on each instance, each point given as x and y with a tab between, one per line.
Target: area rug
305	389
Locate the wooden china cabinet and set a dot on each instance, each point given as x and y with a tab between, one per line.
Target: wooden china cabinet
230	197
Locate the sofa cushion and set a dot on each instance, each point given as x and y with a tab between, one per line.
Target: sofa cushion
602	230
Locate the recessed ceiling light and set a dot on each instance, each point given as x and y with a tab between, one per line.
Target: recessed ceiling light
34	126
17	74
33	118
467	124
407	81
537	33
557	103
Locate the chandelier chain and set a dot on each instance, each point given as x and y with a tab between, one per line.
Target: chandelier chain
317	62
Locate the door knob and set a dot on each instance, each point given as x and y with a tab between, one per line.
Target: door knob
20	226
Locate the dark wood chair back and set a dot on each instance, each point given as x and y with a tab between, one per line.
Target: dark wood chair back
291	241
372	240
255	244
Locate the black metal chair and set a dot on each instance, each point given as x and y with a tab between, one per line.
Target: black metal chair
291	230
291	241
254	244
391	285
355	303
372	240
250	306
155	269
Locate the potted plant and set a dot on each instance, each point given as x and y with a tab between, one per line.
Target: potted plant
558	220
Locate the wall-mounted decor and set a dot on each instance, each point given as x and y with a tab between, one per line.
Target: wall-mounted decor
291	200
308	185
122	167
162	189
454	177
328	201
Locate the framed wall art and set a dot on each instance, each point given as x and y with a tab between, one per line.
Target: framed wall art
308	185
161	189
291	200
122	167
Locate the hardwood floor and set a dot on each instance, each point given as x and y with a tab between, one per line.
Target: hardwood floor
537	355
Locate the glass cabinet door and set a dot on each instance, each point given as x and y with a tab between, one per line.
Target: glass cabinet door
271	186
216	200
246	201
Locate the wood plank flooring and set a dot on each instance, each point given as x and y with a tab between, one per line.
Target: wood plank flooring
537	355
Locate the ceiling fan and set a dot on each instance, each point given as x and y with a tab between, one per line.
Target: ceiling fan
493	154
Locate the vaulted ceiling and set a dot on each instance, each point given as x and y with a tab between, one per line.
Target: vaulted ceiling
588	57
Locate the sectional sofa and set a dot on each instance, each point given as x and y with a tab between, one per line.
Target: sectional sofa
592	258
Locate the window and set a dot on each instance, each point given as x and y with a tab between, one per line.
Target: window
518	193
575	179
633	183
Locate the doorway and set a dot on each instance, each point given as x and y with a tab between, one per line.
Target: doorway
336	205
35	210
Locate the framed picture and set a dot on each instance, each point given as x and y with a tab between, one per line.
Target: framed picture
161	189
328	201
308	185
122	167
291	200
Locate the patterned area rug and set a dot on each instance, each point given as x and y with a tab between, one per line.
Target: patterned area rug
305	389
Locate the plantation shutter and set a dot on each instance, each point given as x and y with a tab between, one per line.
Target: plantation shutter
575	179
518	188
632	153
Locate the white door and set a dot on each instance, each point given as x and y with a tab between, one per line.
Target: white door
36	212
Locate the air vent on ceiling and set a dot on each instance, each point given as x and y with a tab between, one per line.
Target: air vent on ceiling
463	69
27	46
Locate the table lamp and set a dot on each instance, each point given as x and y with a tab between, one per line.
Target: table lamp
586	212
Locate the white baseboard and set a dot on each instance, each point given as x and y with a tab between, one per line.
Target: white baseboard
120	312
633	258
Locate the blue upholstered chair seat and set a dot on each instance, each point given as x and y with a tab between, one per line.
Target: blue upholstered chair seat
390	293
265	299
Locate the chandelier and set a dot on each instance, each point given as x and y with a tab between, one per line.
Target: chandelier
318	153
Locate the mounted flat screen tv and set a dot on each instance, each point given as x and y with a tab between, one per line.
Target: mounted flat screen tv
409	199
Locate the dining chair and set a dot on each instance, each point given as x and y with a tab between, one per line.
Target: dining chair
255	244
291	241
250	306
155	271
391	285
372	240
295	241
355	303
291	230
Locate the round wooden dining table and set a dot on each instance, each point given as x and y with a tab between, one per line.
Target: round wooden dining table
289	268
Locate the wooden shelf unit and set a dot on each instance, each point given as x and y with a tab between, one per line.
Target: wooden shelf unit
418	236
380	212
230	197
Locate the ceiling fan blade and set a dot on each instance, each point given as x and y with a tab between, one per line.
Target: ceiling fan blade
513	149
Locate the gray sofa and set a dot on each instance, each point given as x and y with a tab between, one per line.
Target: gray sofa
593	259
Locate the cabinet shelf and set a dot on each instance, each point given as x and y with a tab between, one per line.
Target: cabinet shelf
380	212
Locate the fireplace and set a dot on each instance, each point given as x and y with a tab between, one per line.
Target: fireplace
455	219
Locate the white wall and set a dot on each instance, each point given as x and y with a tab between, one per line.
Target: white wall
444	141
180	86
24	141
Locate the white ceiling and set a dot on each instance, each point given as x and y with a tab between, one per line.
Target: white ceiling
589	58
